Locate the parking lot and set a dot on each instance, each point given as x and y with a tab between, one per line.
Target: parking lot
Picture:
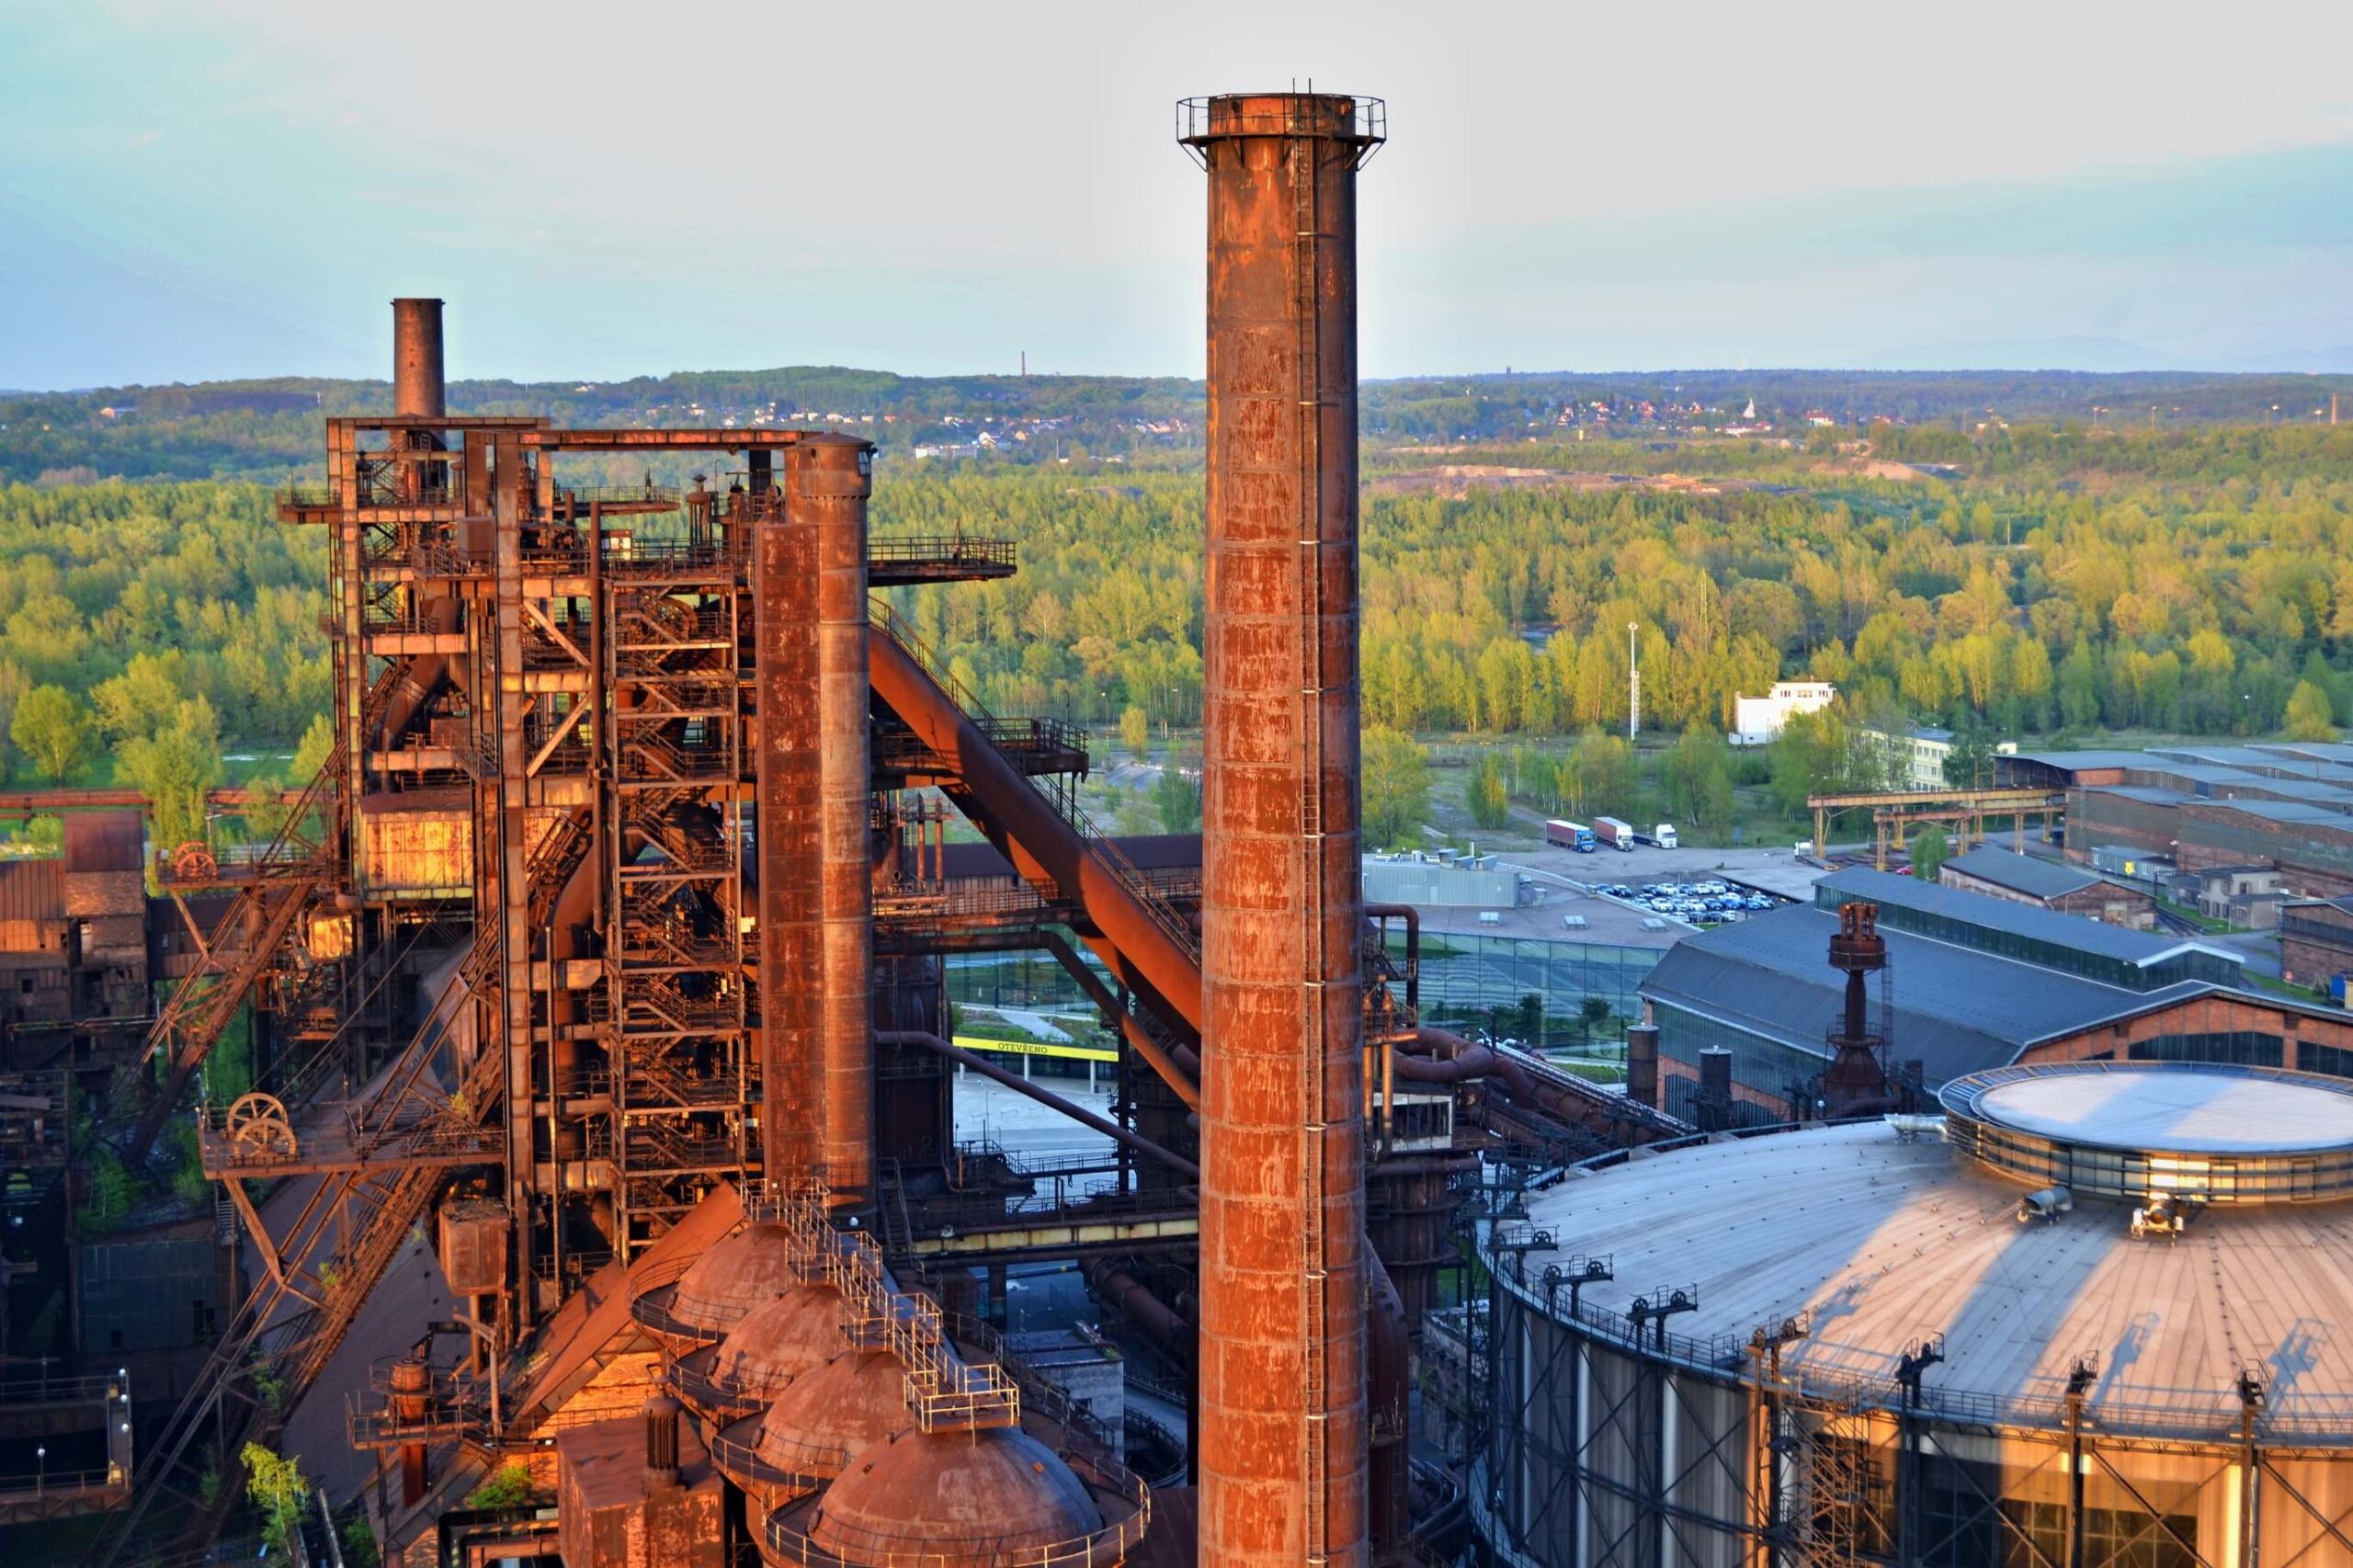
1707	901
1762	868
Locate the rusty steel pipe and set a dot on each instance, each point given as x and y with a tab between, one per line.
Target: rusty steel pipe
1457	1060
419	390
1037	841
1283	1412
827	481
1022	1086
1134	1301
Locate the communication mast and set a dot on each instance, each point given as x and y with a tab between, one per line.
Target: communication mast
1633	681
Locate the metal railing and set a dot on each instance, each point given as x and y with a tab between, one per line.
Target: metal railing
945	549
1368	121
789	1540
743	1463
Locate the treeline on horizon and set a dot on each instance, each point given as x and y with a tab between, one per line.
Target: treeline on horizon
2064	583
268	429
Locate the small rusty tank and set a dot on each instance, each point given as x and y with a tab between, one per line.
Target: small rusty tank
779	1341
987	1497
825	1418
744	1271
409	1392
834	1412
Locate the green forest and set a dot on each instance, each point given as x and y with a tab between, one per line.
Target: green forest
2055	583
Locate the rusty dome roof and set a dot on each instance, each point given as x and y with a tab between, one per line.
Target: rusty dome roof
831	1412
746	1271
958	1496
779	1340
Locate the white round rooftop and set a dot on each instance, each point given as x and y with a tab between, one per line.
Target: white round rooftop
2179	1112
2218	1132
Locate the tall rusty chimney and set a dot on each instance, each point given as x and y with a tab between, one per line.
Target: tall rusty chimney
419	389
1283	1357
827	481
816	872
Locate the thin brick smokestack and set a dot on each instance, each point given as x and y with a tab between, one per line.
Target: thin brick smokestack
418	388
1283	1355
419	391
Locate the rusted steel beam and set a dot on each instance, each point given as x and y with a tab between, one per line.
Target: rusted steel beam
673	440
13	802
1284	1426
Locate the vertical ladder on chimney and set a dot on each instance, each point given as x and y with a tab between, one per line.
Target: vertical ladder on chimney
1315	1281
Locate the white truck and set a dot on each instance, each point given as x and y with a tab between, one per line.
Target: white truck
1616	834
1660	837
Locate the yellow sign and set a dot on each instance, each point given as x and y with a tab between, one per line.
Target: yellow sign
1025	1048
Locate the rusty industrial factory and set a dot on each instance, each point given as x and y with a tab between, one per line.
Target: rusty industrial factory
603	1123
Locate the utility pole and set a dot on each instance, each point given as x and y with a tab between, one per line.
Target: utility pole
1634	681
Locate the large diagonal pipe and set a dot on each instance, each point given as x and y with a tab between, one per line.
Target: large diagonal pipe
1041	846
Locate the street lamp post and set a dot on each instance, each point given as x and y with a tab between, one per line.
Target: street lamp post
1633	681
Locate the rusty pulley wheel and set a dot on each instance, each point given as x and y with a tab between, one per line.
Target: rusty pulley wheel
258	1127
193	862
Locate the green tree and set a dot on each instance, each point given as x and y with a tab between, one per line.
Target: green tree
175	766
509	1486
317	744
1485	794
1969	764
276	1484
1179	800
1601	776
2310	716
1135	730
1592	1013
264	810
1697	774
1930	849
1396	772
50	730
1821	754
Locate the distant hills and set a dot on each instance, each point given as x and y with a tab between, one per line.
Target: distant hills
270	429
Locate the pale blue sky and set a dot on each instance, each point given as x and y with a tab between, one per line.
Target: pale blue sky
196	190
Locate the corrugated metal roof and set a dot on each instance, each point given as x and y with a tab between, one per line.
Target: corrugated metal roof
2082	761
2147	794
2218	757
2022	873
2285	811
2071	931
2323	751
104	841
2196	772
1956	1010
2310	789
32	889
